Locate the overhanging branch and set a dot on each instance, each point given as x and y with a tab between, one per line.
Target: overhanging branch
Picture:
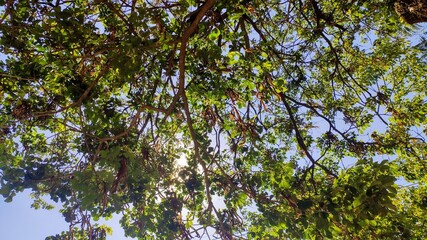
183	52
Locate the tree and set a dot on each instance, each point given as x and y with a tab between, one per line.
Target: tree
296	119
412	11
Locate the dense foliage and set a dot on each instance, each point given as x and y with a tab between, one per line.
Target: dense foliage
237	119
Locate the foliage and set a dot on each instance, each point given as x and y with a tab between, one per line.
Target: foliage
233	119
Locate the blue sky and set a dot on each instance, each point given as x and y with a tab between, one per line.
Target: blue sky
18	221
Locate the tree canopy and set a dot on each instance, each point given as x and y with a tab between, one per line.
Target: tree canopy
237	119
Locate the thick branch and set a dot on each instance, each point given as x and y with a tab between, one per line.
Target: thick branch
183	52
76	103
7	11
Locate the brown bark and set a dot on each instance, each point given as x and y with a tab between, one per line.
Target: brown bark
412	11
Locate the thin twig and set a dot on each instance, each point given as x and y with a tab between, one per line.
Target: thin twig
300	139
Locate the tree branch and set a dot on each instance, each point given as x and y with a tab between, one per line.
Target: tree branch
300	139
7	11
183	52
133	122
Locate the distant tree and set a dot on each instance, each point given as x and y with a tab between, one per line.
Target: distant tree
232	119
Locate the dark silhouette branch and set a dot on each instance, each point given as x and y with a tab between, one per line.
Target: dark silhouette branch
300	139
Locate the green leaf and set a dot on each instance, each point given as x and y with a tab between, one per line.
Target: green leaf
214	34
